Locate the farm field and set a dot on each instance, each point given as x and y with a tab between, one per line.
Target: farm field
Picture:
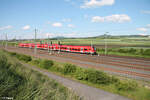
112	41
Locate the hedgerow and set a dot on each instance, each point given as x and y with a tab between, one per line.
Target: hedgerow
46	64
69	68
89	75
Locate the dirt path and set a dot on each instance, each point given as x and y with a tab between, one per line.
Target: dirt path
87	92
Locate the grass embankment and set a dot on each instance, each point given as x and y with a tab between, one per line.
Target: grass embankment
132	52
99	79
20	83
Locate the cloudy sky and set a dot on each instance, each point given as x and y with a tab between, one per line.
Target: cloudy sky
74	18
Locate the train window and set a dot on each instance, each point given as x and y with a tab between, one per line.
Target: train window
85	49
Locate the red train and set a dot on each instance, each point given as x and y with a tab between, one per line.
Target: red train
56	47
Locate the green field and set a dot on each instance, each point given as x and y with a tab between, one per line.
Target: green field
139	41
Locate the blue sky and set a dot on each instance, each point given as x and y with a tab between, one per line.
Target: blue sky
74	18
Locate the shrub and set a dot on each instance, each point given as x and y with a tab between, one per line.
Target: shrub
132	50
46	64
122	51
57	69
24	57
141	51
114	80
126	86
81	74
36	61
12	53
69	68
98	77
146	52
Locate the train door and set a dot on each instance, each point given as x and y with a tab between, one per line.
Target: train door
81	50
68	49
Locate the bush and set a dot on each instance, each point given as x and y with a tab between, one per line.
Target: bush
81	74
46	64
132	50
126	86
24	57
146	52
69	68
57	69
122	51
12	53
98	77
36	61
141	51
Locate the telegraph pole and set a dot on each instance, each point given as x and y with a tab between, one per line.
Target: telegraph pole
48	43
35	45
91	47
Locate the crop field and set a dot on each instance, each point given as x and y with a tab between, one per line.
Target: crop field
136	41
96	41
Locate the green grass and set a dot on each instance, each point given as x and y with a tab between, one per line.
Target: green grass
126	87
132	52
21	83
128	41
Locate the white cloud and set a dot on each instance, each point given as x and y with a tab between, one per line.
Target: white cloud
145	11
98	19
57	24
27	27
142	29
71	26
6	27
142	34
96	3
113	18
148	25
52	35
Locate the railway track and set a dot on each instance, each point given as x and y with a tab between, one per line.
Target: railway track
120	66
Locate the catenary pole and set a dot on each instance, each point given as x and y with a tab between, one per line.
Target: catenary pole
35	45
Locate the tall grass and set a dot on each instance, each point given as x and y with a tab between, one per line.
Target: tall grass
21	83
